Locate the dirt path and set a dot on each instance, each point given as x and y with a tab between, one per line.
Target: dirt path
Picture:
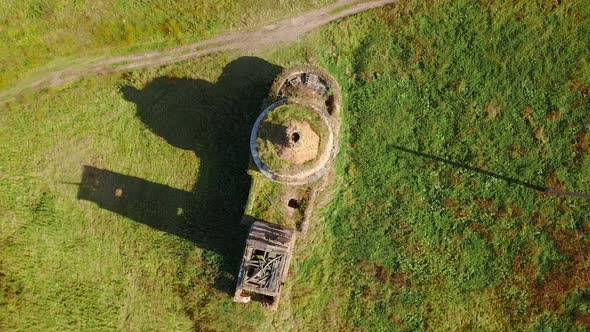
285	31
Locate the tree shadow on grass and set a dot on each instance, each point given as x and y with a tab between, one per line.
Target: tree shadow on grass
213	120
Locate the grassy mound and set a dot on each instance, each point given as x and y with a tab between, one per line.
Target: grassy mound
272	137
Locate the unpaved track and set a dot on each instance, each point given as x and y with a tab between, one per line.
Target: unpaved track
285	31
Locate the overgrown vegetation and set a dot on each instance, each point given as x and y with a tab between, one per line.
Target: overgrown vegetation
38	33
265	201
457	115
269	201
272	136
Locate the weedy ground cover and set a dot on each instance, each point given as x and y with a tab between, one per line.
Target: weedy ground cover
457	116
43	35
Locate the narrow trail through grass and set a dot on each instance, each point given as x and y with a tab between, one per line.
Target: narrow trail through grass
286	31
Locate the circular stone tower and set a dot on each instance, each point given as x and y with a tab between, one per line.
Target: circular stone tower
295	139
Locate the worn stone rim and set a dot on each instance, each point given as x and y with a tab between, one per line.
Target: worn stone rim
305	176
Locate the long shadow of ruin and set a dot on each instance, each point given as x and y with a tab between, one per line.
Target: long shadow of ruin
213	120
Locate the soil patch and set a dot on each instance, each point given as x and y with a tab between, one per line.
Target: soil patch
302	143
582	145
554	115
493	110
455	208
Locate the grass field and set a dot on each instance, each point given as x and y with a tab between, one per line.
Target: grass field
40	34
121	196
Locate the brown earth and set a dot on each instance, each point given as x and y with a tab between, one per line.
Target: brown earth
493	110
304	148
562	281
582	145
455	207
554	115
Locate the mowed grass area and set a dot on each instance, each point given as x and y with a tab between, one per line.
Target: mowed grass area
456	115
55	33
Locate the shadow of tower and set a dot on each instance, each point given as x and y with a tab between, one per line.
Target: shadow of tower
213	120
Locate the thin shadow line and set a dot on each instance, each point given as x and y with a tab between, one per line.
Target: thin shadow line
510	180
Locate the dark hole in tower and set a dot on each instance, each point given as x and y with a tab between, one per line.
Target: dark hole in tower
330	104
295	137
293	204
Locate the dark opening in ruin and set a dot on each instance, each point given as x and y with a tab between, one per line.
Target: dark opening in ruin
329	104
295	137
293	204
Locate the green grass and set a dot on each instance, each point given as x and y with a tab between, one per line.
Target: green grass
268	201
473	84
265	200
93	268
54	33
415	236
